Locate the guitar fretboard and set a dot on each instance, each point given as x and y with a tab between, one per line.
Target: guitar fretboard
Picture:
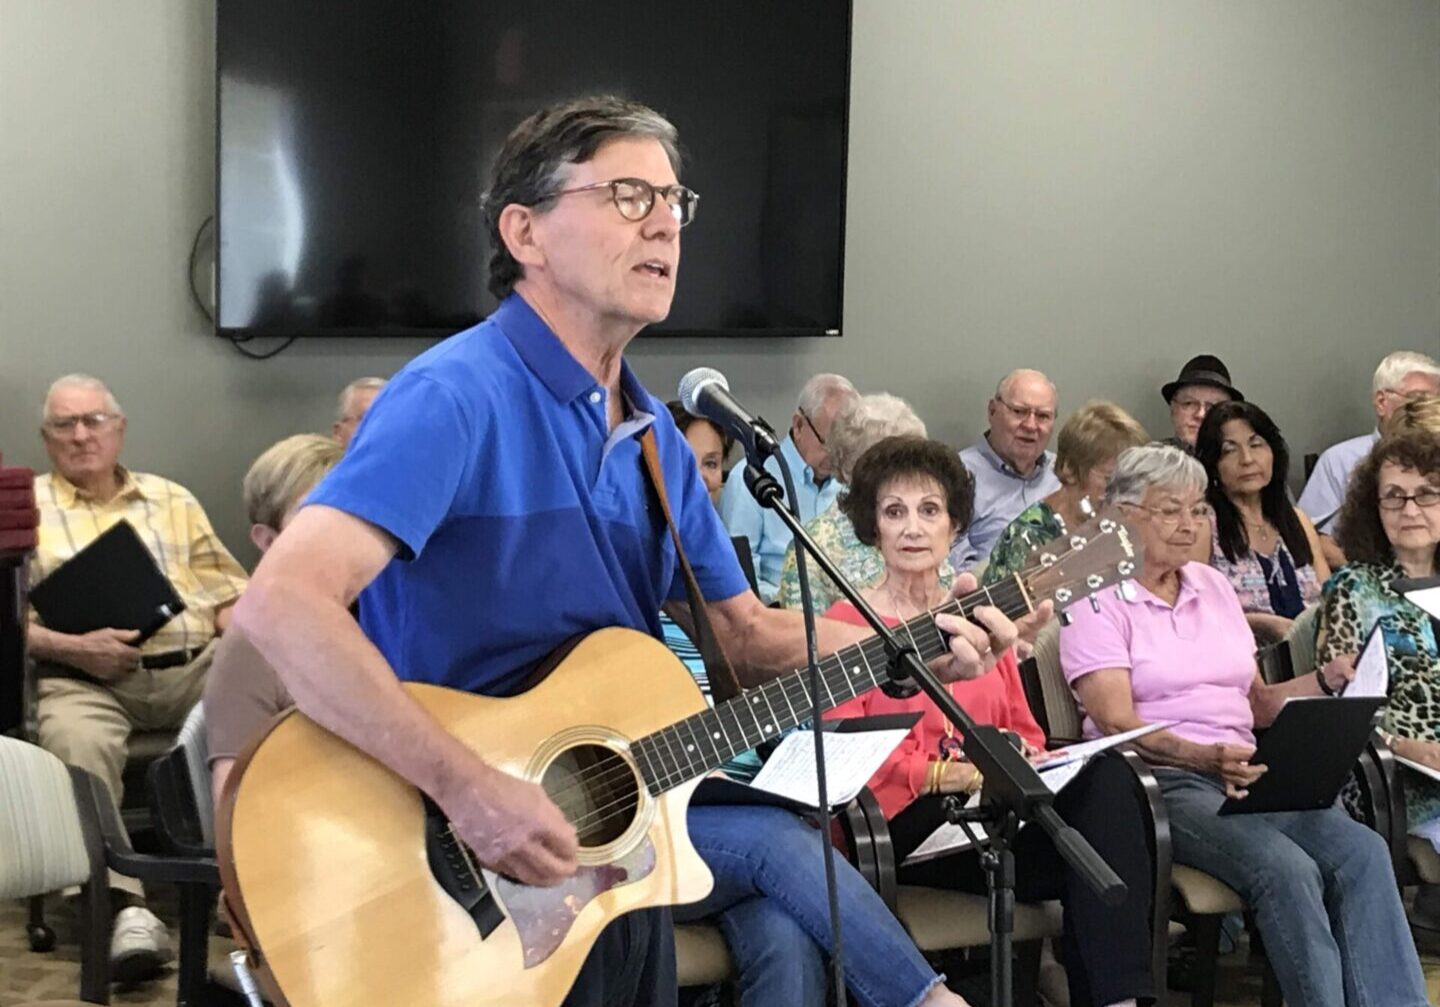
705	741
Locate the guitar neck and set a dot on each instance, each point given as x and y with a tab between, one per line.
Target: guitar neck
702	743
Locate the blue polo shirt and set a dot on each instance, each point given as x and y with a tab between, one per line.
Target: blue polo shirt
522	520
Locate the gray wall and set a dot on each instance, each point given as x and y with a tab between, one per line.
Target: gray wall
1099	190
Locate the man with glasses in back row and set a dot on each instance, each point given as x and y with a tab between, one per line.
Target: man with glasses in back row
94	689
821	400
1011	467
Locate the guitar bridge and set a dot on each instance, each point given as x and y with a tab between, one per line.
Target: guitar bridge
456	872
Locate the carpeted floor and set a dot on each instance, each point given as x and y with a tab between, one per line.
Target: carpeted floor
26	977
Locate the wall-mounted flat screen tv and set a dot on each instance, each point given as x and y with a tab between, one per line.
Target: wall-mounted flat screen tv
354	141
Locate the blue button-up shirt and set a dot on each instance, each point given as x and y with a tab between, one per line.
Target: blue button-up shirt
522	519
767	534
1001	494
1325	491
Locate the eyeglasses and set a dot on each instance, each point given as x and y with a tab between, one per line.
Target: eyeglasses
1194	405
1427	497
91	421
1023	413
634	197
1171	516
811	424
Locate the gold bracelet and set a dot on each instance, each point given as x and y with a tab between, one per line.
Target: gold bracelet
934	777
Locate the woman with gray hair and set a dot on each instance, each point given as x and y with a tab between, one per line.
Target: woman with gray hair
866	421
1177	648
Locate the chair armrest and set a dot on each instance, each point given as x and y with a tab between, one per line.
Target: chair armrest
1382	798
102	824
1157	820
172	805
867	833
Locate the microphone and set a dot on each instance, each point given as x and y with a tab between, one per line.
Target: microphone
705	393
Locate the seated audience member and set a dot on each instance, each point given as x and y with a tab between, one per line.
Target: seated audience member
355	401
1400	376
866	421
94	689
909	497
769	898
1085	453
1177	648
710	444
243	693
1260	541
1420	414
822	397
1011	467
1203	383
1390	529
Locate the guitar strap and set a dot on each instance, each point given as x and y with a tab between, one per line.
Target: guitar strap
723	683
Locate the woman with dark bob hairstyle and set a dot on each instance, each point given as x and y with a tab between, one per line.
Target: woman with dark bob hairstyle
1390	529
1259	540
910	498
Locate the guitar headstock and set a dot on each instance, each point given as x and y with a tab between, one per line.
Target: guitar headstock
1100	553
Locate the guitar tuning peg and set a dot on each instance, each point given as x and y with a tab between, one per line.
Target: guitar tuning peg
1065	618
1094	603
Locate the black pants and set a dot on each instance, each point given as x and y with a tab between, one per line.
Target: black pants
632	963
1107	951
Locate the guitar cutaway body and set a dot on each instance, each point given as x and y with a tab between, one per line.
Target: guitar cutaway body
328	865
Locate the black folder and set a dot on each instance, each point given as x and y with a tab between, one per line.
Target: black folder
1309	753
113	582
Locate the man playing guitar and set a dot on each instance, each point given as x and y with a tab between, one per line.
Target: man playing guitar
493	505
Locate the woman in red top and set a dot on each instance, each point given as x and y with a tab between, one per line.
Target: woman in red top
910	497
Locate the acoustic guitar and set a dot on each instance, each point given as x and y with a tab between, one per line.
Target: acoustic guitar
350	888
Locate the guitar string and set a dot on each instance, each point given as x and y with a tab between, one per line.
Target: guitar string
621	771
606	812
617	769
614	809
1009	591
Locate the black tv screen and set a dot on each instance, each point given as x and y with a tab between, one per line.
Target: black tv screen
355	138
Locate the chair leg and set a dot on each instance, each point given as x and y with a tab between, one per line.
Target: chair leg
1027	973
1206	930
95	942
196	901
40	933
1270	988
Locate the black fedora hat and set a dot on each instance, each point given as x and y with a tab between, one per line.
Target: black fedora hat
1203	370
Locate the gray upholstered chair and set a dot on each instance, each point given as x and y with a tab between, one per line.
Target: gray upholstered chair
46	848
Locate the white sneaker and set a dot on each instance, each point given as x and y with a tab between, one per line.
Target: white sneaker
139	946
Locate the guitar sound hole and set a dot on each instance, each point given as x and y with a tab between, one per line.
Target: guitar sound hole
596	789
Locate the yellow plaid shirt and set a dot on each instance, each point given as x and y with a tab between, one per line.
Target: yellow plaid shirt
173	526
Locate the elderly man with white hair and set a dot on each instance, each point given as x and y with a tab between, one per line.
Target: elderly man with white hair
821	399
355	400
1011	467
1401	376
95	688
866	421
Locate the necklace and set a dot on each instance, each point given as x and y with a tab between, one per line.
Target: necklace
895	602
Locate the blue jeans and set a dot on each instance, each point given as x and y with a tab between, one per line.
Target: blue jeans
770	903
1322	889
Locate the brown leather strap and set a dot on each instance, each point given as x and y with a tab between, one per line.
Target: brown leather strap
723	683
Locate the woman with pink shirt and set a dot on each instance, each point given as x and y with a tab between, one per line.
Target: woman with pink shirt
910	497
1178	648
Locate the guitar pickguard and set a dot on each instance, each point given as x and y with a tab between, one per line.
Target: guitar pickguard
543	916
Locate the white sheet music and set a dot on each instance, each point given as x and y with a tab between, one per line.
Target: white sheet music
851	758
1056	772
1372	668
1427	598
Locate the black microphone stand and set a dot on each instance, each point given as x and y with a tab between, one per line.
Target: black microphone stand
1013	792
766	445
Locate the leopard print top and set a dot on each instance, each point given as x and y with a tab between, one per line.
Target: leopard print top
1355	599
